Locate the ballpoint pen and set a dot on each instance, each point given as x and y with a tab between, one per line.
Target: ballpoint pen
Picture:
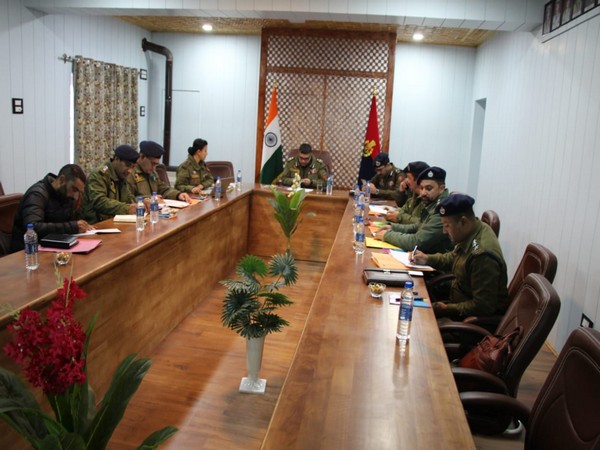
412	259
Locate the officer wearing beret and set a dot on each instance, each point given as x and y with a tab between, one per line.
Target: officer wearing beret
480	279
106	192
193	175
309	168
387	179
410	211
143	179
427	234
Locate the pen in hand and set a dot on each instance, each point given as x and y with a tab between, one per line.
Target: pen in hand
412	255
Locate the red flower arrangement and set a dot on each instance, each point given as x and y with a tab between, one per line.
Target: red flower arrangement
50	349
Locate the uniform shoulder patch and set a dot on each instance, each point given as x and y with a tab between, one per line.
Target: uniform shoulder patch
104	169
138	177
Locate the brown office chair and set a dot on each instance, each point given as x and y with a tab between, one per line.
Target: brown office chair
565	414
534	309
320	154
9	204
223	169
1	189
536	259
161	171
491	218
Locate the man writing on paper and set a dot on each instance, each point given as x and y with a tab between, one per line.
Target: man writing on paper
52	205
480	279
410	212
386	182
107	193
427	234
309	168
143	179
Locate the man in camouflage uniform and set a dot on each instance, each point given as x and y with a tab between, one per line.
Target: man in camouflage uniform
428	233
192	175
479	287
143	179
106	192
410	212
386	182
309	168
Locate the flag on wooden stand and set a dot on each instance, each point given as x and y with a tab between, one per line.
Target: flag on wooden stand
372	146
272	152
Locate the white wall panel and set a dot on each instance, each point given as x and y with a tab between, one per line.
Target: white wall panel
539	165
431	108
37	142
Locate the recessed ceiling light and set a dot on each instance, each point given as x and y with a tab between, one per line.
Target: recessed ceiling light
207	27
418	36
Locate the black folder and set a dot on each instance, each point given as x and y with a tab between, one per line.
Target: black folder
59	240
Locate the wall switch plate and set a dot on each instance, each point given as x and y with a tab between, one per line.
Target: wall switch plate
586	321
17	106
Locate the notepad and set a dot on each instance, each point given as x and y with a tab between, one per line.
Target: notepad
403	257
395	298
374	243
176	203
127	218
99	231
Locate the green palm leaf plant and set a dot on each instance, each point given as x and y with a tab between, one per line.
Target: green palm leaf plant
287	210
52	349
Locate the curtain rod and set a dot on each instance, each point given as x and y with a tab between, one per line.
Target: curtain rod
65	58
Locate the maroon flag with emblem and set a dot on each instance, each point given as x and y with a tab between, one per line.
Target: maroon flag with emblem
371	147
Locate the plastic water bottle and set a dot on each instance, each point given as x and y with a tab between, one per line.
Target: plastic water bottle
359	237
32	259
154	208
218	189
405	313
356	194
329	190
139	214
238	181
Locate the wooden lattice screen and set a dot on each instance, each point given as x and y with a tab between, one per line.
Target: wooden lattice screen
325	81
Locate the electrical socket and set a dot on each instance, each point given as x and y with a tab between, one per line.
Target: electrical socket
586	321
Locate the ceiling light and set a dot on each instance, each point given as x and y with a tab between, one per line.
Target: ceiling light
418	36
207	27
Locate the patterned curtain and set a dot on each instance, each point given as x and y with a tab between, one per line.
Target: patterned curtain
106	103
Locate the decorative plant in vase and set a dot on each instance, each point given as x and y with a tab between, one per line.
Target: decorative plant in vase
251	301
52	349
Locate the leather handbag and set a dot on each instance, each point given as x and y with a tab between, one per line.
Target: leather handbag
492	353
387	277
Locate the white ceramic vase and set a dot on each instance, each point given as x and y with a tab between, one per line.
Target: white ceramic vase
254	350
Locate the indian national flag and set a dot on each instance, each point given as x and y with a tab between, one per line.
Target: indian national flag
272	152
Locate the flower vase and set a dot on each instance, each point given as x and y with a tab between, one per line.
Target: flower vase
254	350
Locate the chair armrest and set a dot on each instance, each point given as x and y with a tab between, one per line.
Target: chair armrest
461	337
497	403
490	323
465	329
477	380
440	279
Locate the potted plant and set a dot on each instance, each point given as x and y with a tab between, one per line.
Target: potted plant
252	299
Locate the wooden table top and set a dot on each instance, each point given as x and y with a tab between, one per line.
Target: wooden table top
350	386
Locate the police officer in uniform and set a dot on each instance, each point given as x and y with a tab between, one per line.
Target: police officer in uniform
410	212
143	179
386	182
106	192
427	234
479	287
309	168
192	175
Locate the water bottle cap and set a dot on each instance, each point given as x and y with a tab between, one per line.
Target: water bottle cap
154	193
218	178
408	284
30	226
140	199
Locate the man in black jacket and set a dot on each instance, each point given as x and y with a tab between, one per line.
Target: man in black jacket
52	205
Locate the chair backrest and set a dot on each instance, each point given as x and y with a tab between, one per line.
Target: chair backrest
535	309
9	204
565	413
536	259
320	154
223	169
1	189
491	218
161	171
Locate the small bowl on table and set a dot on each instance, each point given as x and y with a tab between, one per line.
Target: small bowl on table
62	258
376	289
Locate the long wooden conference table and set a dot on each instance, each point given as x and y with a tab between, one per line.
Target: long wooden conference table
349	385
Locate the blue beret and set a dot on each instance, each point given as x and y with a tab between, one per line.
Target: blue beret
381	160
126	153
416	167
151	149
455	204
432	173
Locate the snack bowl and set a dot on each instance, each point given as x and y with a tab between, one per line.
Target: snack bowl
376	289
62	258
